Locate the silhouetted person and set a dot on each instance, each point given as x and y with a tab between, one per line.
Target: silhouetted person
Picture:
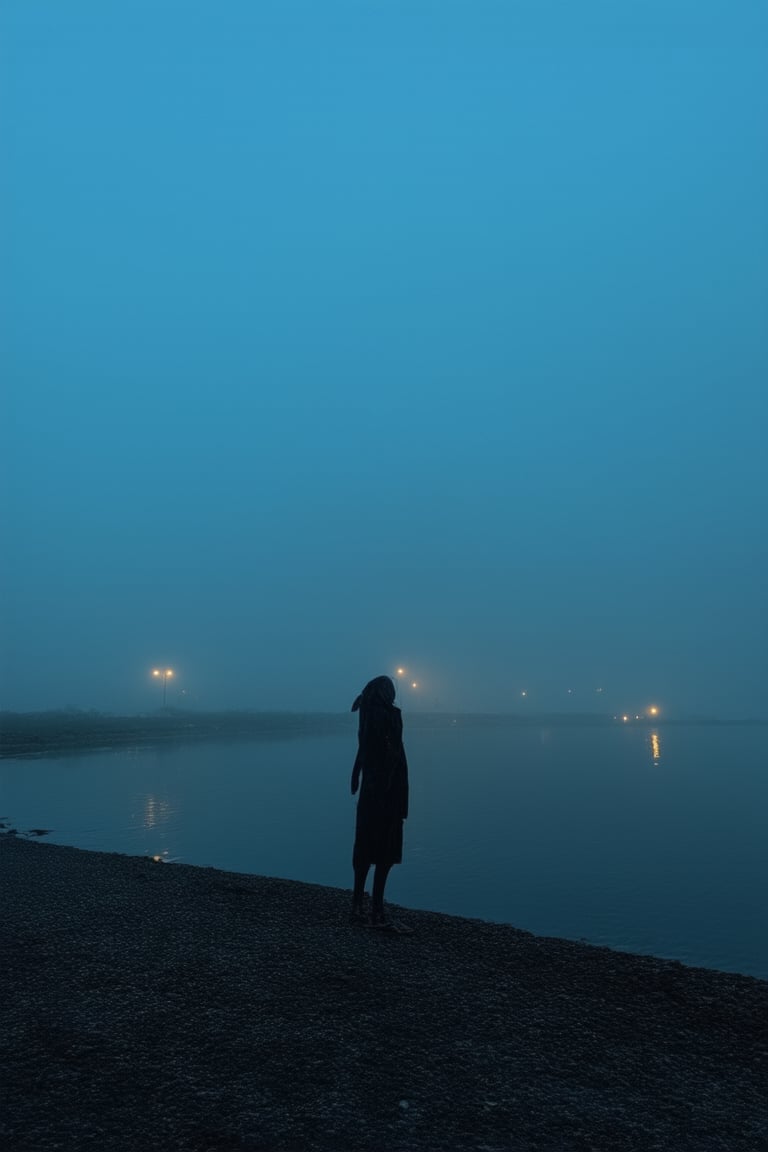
383	802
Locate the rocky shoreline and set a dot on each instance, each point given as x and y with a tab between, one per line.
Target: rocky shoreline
168	1007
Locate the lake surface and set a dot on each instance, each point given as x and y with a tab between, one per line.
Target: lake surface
645	840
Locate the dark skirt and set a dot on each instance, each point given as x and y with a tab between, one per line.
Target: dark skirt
378	834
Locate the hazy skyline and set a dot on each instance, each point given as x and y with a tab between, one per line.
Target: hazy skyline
346	336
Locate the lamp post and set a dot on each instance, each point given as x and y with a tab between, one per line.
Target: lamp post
165	674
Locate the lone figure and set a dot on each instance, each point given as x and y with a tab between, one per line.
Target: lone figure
383	802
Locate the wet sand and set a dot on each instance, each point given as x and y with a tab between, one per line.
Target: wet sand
150	1006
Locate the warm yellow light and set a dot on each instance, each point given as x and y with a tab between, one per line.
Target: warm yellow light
625	718
653	710
400	672
414	684
655	746
155	671
169	671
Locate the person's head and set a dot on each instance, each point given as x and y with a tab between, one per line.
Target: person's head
380	690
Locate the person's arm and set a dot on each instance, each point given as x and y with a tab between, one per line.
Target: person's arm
402	771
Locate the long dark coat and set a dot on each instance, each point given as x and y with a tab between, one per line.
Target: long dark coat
383	802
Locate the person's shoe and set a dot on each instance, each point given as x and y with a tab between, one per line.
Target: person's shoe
357	916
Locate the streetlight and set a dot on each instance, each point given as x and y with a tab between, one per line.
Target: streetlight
402	675
166	674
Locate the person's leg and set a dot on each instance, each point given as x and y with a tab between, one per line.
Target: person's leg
379	881
361	875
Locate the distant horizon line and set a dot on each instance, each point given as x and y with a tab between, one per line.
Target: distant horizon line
443	713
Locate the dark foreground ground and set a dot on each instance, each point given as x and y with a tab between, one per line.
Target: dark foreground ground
146	1006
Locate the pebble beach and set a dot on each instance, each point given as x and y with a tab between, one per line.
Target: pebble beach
170	1007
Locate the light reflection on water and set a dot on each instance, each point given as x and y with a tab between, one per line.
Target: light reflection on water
157	810
564	831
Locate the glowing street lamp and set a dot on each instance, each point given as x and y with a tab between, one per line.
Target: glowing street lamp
166	674
401	674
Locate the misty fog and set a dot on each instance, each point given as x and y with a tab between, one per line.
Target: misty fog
345	338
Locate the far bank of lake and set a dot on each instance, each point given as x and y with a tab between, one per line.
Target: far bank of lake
59	731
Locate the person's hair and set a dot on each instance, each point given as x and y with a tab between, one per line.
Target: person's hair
380	690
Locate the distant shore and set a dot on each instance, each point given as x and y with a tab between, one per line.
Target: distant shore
44	733
59	732
156	1007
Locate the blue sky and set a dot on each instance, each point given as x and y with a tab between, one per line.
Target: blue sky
346	335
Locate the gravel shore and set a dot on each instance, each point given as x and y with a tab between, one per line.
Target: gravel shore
149	1006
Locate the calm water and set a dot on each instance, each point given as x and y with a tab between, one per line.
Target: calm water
647	841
